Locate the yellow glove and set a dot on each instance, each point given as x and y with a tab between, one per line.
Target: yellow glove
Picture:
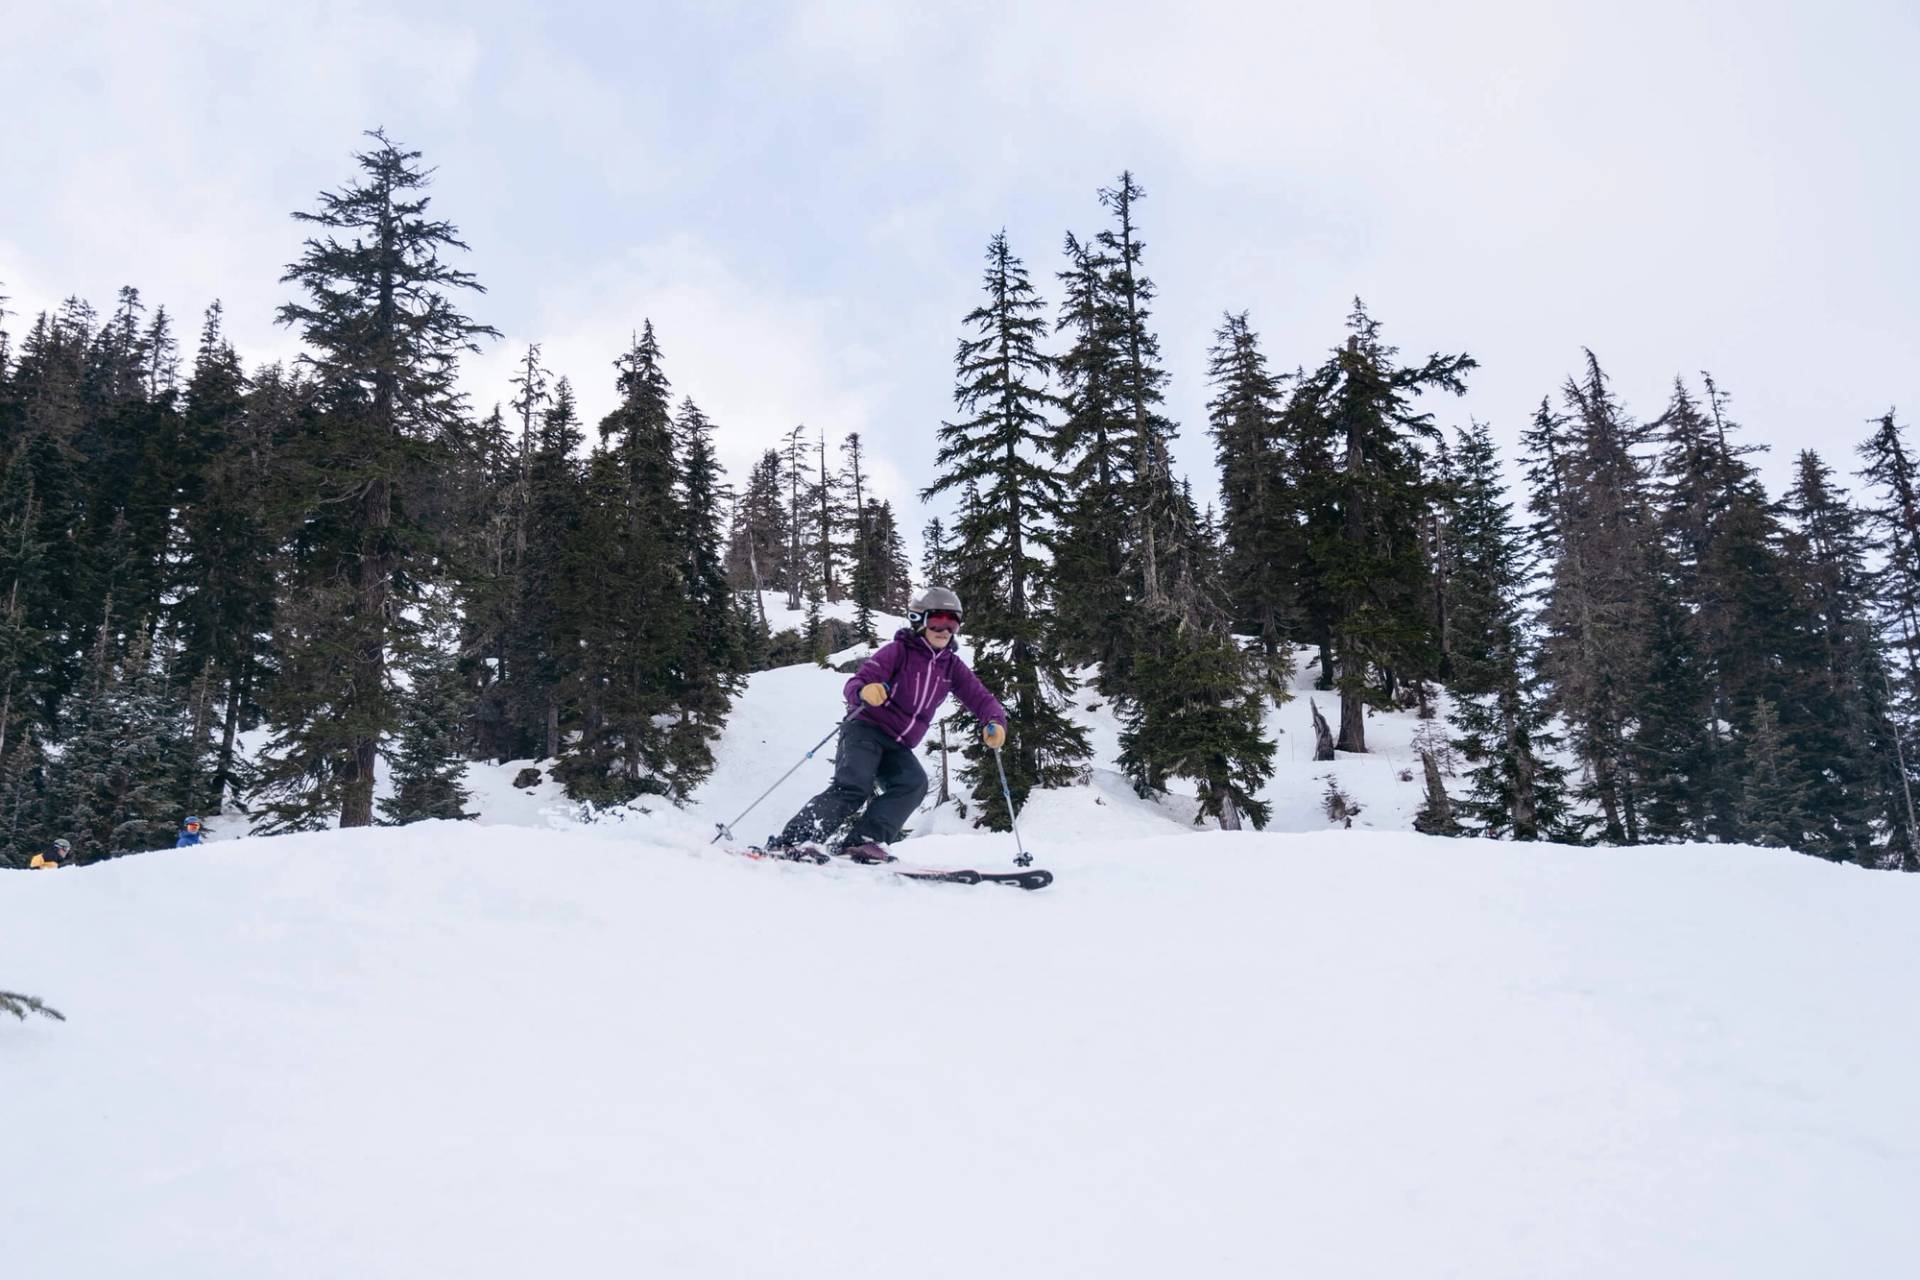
873	694
994	735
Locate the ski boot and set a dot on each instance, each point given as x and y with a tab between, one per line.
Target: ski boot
775	848
867	851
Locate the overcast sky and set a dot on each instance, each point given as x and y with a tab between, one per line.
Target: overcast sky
799	196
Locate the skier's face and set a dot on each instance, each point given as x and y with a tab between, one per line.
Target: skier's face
940	629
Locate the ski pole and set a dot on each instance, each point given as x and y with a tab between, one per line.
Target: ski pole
726	828
1025	858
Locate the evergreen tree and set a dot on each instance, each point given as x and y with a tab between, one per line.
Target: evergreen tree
1503	730
161	758
485	497
128	441
757	551
1261	520
224	575
53	590
1139	391
491	492
427	758
993	453
1773	796
1197	710
639	625
713	659
886	555
555	584
828	509
816	635
865	571
1722	543
23	829
29	648
1594	529
1136	574
1860	802
801	570
1893	523
1199	716
1088	583
1671	747
1365	544
936	552
116	787
383	337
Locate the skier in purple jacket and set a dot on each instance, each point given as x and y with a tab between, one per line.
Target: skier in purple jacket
892	700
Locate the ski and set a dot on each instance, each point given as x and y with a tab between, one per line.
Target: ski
1027	878
795	853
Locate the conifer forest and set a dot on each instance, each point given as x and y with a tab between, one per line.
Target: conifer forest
1620	635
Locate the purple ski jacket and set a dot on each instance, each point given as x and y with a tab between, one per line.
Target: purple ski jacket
918	679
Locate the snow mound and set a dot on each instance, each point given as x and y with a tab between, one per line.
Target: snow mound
483	1051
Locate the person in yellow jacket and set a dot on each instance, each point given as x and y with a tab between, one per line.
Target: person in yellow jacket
62	850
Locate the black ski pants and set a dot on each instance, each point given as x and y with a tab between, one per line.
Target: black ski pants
867	756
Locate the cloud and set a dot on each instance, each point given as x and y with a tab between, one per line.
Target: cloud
798	194
757	359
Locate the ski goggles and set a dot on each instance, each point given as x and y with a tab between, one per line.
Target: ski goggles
943	621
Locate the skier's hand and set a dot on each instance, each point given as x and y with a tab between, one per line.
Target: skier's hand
873	694
994	735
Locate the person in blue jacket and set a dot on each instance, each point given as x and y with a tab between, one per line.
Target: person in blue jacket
189	833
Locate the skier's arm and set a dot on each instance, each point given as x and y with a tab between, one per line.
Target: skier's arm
974	696
881	668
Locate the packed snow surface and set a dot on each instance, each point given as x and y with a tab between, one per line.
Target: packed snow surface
480	1051
531	1047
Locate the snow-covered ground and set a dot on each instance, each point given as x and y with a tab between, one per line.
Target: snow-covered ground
528	1046
493	1051
783	713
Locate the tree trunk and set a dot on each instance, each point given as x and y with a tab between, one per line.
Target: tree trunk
1353	708
796	562
1436	815
202	697
829	587
1525	820
229	730
753	563
1229	811
945	792
1353	722
365	702
1322	735
1143	431
1603	786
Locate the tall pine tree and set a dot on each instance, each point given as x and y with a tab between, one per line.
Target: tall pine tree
1502	728
995	452
1368	507
383	337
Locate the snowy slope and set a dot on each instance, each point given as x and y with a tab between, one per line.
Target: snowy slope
783	713
530	1045
496	1051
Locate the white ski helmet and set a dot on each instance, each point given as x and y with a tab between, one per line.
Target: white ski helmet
932	600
